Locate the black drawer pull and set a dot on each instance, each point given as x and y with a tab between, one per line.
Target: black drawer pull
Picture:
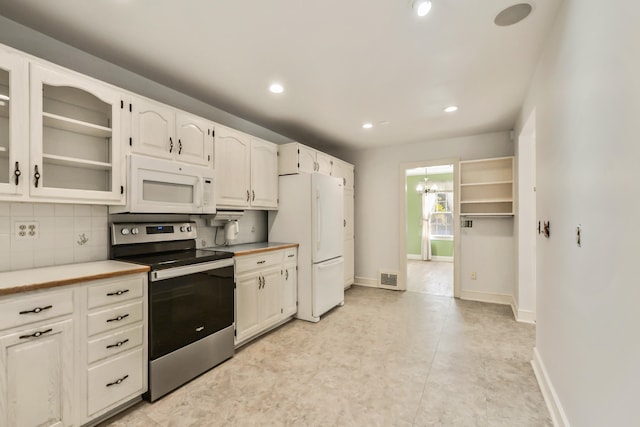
261	262
290	256
36	310
117	319
118	344
118	381
35	334
117	293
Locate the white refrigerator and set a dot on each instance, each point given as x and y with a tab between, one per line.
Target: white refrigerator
310	212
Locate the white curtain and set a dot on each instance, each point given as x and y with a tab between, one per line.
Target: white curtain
428	204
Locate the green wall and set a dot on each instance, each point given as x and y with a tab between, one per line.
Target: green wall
414	217
442	248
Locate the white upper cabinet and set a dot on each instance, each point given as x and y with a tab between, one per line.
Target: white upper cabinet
324	163
246	171
345	171
153	127
233	170
264	174
14	122
75	138
161	131
295	158
195	139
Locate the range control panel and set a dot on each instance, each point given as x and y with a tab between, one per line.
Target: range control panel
138	232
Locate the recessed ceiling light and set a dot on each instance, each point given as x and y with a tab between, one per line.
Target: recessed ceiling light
451	109
276	88
422	7
513	14
367	126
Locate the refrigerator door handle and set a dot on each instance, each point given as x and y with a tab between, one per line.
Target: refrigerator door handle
330	263
318	218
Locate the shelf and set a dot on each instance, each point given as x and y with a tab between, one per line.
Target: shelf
478	184
75	126
74	162
494	215
487	201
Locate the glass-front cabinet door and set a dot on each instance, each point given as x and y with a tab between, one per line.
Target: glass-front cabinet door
13	124
75	138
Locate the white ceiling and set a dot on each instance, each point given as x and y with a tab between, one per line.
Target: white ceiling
342	62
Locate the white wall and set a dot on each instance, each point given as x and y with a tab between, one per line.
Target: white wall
586	94
378	198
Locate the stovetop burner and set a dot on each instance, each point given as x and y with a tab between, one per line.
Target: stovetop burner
158	261
160	245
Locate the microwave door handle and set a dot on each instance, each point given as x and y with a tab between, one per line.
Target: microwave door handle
199	192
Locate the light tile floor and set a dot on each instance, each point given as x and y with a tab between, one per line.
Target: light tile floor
432	277
386	358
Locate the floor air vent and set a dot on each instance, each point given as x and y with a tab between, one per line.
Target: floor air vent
388	280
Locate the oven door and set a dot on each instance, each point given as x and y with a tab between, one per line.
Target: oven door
189	303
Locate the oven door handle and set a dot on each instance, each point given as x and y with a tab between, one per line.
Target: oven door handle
170	273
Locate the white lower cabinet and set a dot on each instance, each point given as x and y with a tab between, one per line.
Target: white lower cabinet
63	363
264	297
36	381
115	334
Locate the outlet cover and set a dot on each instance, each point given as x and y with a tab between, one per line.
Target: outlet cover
27	230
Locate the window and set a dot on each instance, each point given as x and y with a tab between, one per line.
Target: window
442	216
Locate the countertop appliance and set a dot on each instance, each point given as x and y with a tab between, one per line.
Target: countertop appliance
311	213
191	300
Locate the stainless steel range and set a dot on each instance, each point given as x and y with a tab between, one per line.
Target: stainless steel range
191	300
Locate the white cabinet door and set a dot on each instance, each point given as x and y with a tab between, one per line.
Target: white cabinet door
290	290
247	318
349	262
344	171
195	139
264	174
306	159
153	127
233	170
348	214
270	302
324	163
36	376
75	138
14	125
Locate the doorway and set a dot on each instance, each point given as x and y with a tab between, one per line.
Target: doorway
430	228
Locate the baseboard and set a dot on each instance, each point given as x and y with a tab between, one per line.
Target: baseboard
558	416
364	281
414	257
522	316
486	297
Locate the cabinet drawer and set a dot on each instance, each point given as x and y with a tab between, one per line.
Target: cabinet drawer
261	261
34	308
112	318
291	256
114	380
115	291
115	343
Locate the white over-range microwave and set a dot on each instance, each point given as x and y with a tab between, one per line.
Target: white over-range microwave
164	186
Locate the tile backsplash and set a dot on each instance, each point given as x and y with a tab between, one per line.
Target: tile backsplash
66	234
